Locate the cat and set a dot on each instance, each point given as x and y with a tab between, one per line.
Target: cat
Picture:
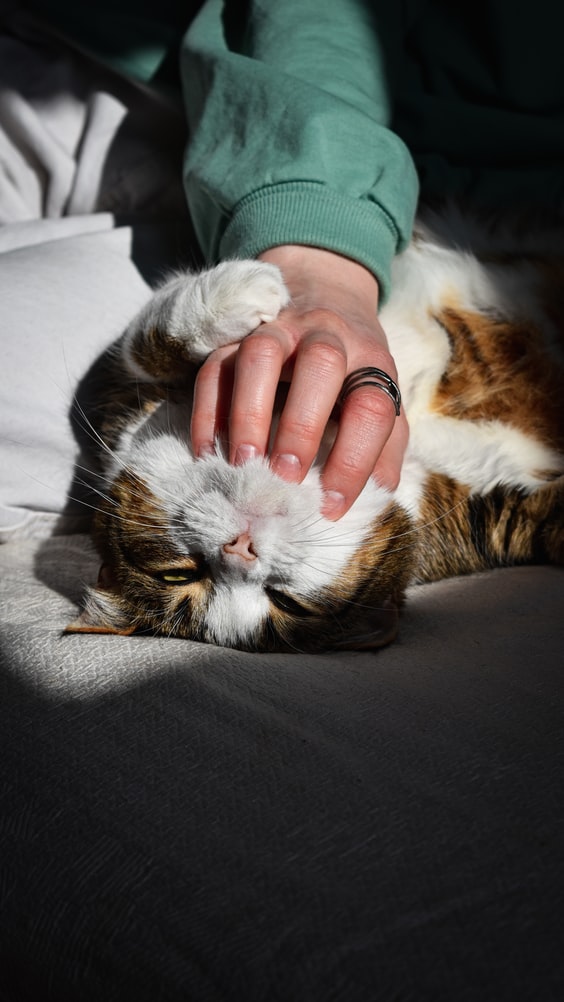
200	549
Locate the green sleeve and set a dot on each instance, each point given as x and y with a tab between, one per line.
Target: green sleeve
289	132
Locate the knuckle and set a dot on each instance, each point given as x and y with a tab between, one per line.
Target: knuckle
352	467
327	321
252	429
371	406
249	416
262	346
324	356
305	430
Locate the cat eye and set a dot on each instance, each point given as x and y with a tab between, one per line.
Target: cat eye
285	603
179	576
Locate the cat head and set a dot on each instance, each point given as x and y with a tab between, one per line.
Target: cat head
235	556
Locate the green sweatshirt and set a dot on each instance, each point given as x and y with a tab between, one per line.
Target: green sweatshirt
296	120
317	122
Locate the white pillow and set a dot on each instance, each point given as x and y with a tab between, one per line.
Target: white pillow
67	289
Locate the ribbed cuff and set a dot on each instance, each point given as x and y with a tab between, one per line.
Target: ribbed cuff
308	213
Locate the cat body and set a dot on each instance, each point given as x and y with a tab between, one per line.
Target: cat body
235	556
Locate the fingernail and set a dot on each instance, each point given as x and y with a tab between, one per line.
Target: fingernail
333	504
206	450
244	453
287	466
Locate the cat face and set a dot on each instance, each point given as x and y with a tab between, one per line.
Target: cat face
235	556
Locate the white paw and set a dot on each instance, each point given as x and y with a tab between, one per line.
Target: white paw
235	297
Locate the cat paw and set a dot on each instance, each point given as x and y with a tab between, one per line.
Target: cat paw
232	300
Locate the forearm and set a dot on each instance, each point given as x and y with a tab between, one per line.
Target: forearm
289	138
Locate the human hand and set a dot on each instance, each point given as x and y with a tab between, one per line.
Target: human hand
329	330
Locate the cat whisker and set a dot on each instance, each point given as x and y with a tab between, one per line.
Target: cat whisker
95	436
287	640
109	500
415	529
110	514
125	467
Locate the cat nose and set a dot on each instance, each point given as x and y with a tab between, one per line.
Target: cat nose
242	546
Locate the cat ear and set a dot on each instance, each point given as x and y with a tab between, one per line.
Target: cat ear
383	630
103	610
86	623
107	580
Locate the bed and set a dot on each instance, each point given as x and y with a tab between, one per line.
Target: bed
185	822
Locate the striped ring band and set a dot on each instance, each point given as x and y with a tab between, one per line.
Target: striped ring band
369	376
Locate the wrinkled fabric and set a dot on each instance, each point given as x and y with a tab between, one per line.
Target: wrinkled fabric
185	822
92	213
77	138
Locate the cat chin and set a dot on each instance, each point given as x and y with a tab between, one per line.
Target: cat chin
233	617
236	614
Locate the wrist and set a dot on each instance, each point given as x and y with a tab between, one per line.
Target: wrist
318	277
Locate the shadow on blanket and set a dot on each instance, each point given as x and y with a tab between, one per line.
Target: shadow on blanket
219	826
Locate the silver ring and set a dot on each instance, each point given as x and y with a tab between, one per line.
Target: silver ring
371	377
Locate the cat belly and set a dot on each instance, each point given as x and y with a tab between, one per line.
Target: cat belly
483	454
469	398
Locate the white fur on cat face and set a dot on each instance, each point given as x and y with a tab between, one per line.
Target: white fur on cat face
208	503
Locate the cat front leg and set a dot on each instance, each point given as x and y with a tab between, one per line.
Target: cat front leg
192	314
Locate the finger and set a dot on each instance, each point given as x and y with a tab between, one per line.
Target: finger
258	365
388	466
318	374
212	398
367	420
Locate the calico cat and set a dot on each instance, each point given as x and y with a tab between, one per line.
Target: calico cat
235	556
